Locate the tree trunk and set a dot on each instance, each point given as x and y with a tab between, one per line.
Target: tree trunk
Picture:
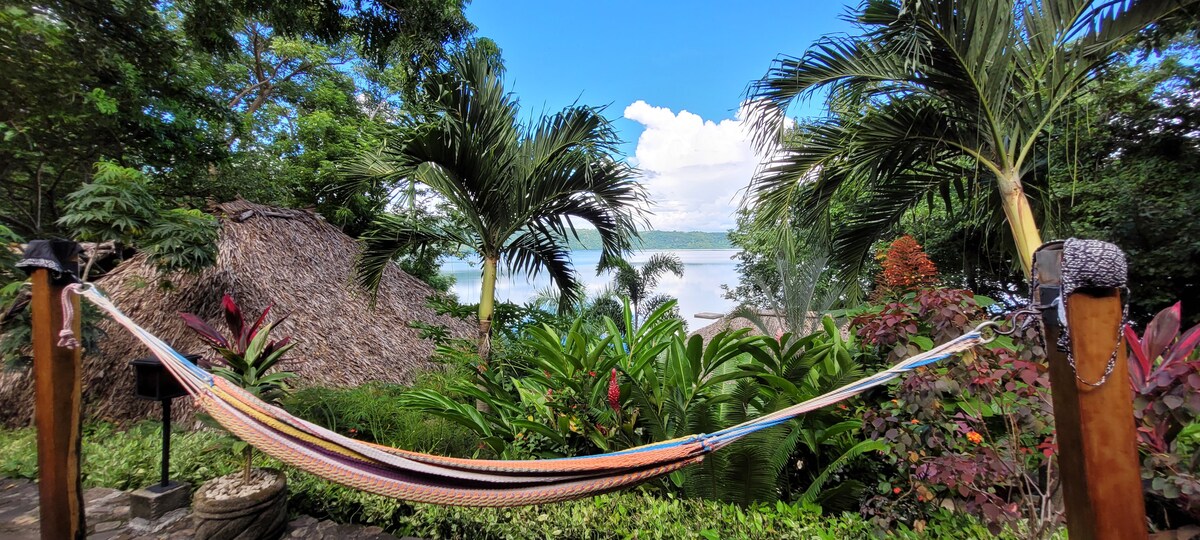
1020	218
487	305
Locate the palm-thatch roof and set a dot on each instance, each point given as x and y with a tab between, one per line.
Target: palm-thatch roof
733	321
775	323
291	258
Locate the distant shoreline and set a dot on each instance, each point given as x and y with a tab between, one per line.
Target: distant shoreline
652	240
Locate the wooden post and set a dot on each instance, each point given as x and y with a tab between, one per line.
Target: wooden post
57	385
1097	440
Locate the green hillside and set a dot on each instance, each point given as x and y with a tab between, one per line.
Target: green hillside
590	239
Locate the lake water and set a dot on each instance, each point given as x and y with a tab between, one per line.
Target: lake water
699	290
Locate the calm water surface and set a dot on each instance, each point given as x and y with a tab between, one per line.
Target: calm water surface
704	271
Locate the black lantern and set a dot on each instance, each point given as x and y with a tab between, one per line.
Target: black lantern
153	381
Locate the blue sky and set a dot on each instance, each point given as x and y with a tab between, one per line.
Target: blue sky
649	62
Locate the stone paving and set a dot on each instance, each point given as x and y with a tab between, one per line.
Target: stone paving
108	519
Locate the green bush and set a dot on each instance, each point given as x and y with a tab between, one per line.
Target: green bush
371	412
125	459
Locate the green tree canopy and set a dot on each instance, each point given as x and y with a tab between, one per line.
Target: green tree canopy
85	82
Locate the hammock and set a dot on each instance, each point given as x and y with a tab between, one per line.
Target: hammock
426	478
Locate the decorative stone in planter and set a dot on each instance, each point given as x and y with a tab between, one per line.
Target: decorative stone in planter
225	508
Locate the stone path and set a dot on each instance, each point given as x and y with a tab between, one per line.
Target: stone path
108	519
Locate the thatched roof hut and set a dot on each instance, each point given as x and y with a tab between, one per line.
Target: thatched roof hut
733	322
775	324
291	258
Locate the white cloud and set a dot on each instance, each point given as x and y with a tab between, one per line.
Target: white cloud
693	168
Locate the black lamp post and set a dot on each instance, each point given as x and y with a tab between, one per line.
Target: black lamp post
153	381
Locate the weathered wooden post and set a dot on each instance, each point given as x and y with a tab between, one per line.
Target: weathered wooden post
57	374
1093	403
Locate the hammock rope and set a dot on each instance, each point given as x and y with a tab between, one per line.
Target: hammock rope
427	478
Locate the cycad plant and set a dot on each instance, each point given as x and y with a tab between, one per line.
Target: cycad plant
934	98
518	190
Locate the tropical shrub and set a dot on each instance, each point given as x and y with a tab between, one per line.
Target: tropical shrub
1164	371
248	354
915	321
592	388
800	457
554	401
372	413
975	432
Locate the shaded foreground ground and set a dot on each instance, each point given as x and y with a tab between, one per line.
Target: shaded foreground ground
108	519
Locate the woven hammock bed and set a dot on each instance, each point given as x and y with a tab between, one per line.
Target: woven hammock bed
426	478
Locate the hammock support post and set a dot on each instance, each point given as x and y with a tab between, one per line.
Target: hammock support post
57	410
1097	445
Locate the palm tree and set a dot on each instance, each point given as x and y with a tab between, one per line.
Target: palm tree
934	98
638	283
515	189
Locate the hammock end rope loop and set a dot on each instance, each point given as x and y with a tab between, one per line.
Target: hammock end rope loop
66	336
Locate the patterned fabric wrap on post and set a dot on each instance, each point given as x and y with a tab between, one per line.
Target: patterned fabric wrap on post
1087	264
1092	263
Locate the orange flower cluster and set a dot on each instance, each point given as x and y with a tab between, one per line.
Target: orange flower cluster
906	266
974	437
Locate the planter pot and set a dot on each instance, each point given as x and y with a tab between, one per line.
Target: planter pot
227	509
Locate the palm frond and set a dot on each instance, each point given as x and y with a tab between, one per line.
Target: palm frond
534	251
390	236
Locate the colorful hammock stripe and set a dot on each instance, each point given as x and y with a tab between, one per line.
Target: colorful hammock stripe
418	477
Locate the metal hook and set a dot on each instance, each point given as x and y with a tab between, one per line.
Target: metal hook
997	327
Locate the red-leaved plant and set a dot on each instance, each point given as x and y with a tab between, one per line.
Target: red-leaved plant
1161	351
905	267
1164	372
249	354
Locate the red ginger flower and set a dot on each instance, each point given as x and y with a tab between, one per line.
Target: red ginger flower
614	392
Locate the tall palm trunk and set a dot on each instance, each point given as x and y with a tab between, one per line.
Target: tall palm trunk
487	306
1020	217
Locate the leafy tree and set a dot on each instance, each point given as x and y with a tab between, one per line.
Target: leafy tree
412	32
933	98
118	206
638	284
86	82
1131	174
516	188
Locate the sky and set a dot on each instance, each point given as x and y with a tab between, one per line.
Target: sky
671	74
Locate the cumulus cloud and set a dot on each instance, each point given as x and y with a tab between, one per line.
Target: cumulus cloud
693	168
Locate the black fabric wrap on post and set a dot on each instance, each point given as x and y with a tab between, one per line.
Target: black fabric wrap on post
57	255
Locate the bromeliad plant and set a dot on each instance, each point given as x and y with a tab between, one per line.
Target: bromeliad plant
249	354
